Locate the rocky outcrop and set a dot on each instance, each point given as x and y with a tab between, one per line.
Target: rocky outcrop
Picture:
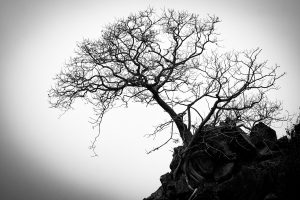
229	164
264	138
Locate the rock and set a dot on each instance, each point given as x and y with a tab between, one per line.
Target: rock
176	157
283	142
243	146
220	149
171	188
270	175
223	172
202	163
264	132
297	129
167	181
208	192
194	177
157	195
265	151
166	178
271	196
247	184
181	187
168	185
262	135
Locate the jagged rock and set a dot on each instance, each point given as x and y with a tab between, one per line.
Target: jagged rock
282	142
220	149
171	188
247	184
157	195
242	145
262	135
202	162
207	192
182	188
223	172
250	176
168	185
265	151
263	131
271	196
194	178
176	157
297	129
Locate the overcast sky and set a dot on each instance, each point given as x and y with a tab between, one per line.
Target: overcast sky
44	157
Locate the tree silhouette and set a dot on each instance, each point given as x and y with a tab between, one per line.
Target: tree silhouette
171	59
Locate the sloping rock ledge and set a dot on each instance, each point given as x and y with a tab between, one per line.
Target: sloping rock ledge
233	165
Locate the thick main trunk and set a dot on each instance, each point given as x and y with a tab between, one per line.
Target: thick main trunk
185	134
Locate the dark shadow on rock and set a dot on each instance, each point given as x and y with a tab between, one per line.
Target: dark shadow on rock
233	165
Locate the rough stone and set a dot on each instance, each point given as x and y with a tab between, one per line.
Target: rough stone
297	129
220	148
249	176
157	195
271	196
243	146
176	158
283	142
223	172
245	185
262	135
203	163
181	187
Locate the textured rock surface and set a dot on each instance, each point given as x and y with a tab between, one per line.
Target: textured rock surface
263	136
223	171
264	132
235	167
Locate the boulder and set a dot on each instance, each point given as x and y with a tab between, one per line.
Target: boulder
168	185
219	148
207	192
181	187
223	171
282	142
273	176
202	163
297	129
157	195
194	177
271	196
176	157
247	184
262	135
243	146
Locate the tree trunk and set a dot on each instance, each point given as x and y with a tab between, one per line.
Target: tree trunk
185	134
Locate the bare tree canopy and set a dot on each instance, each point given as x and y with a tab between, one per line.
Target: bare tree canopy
169	59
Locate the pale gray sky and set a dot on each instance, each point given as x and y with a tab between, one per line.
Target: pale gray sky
43	157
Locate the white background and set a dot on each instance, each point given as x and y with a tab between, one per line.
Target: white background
46	157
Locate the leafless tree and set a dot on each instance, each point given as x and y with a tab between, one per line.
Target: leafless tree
171	59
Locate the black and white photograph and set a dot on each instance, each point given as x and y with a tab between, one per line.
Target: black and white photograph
149	100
